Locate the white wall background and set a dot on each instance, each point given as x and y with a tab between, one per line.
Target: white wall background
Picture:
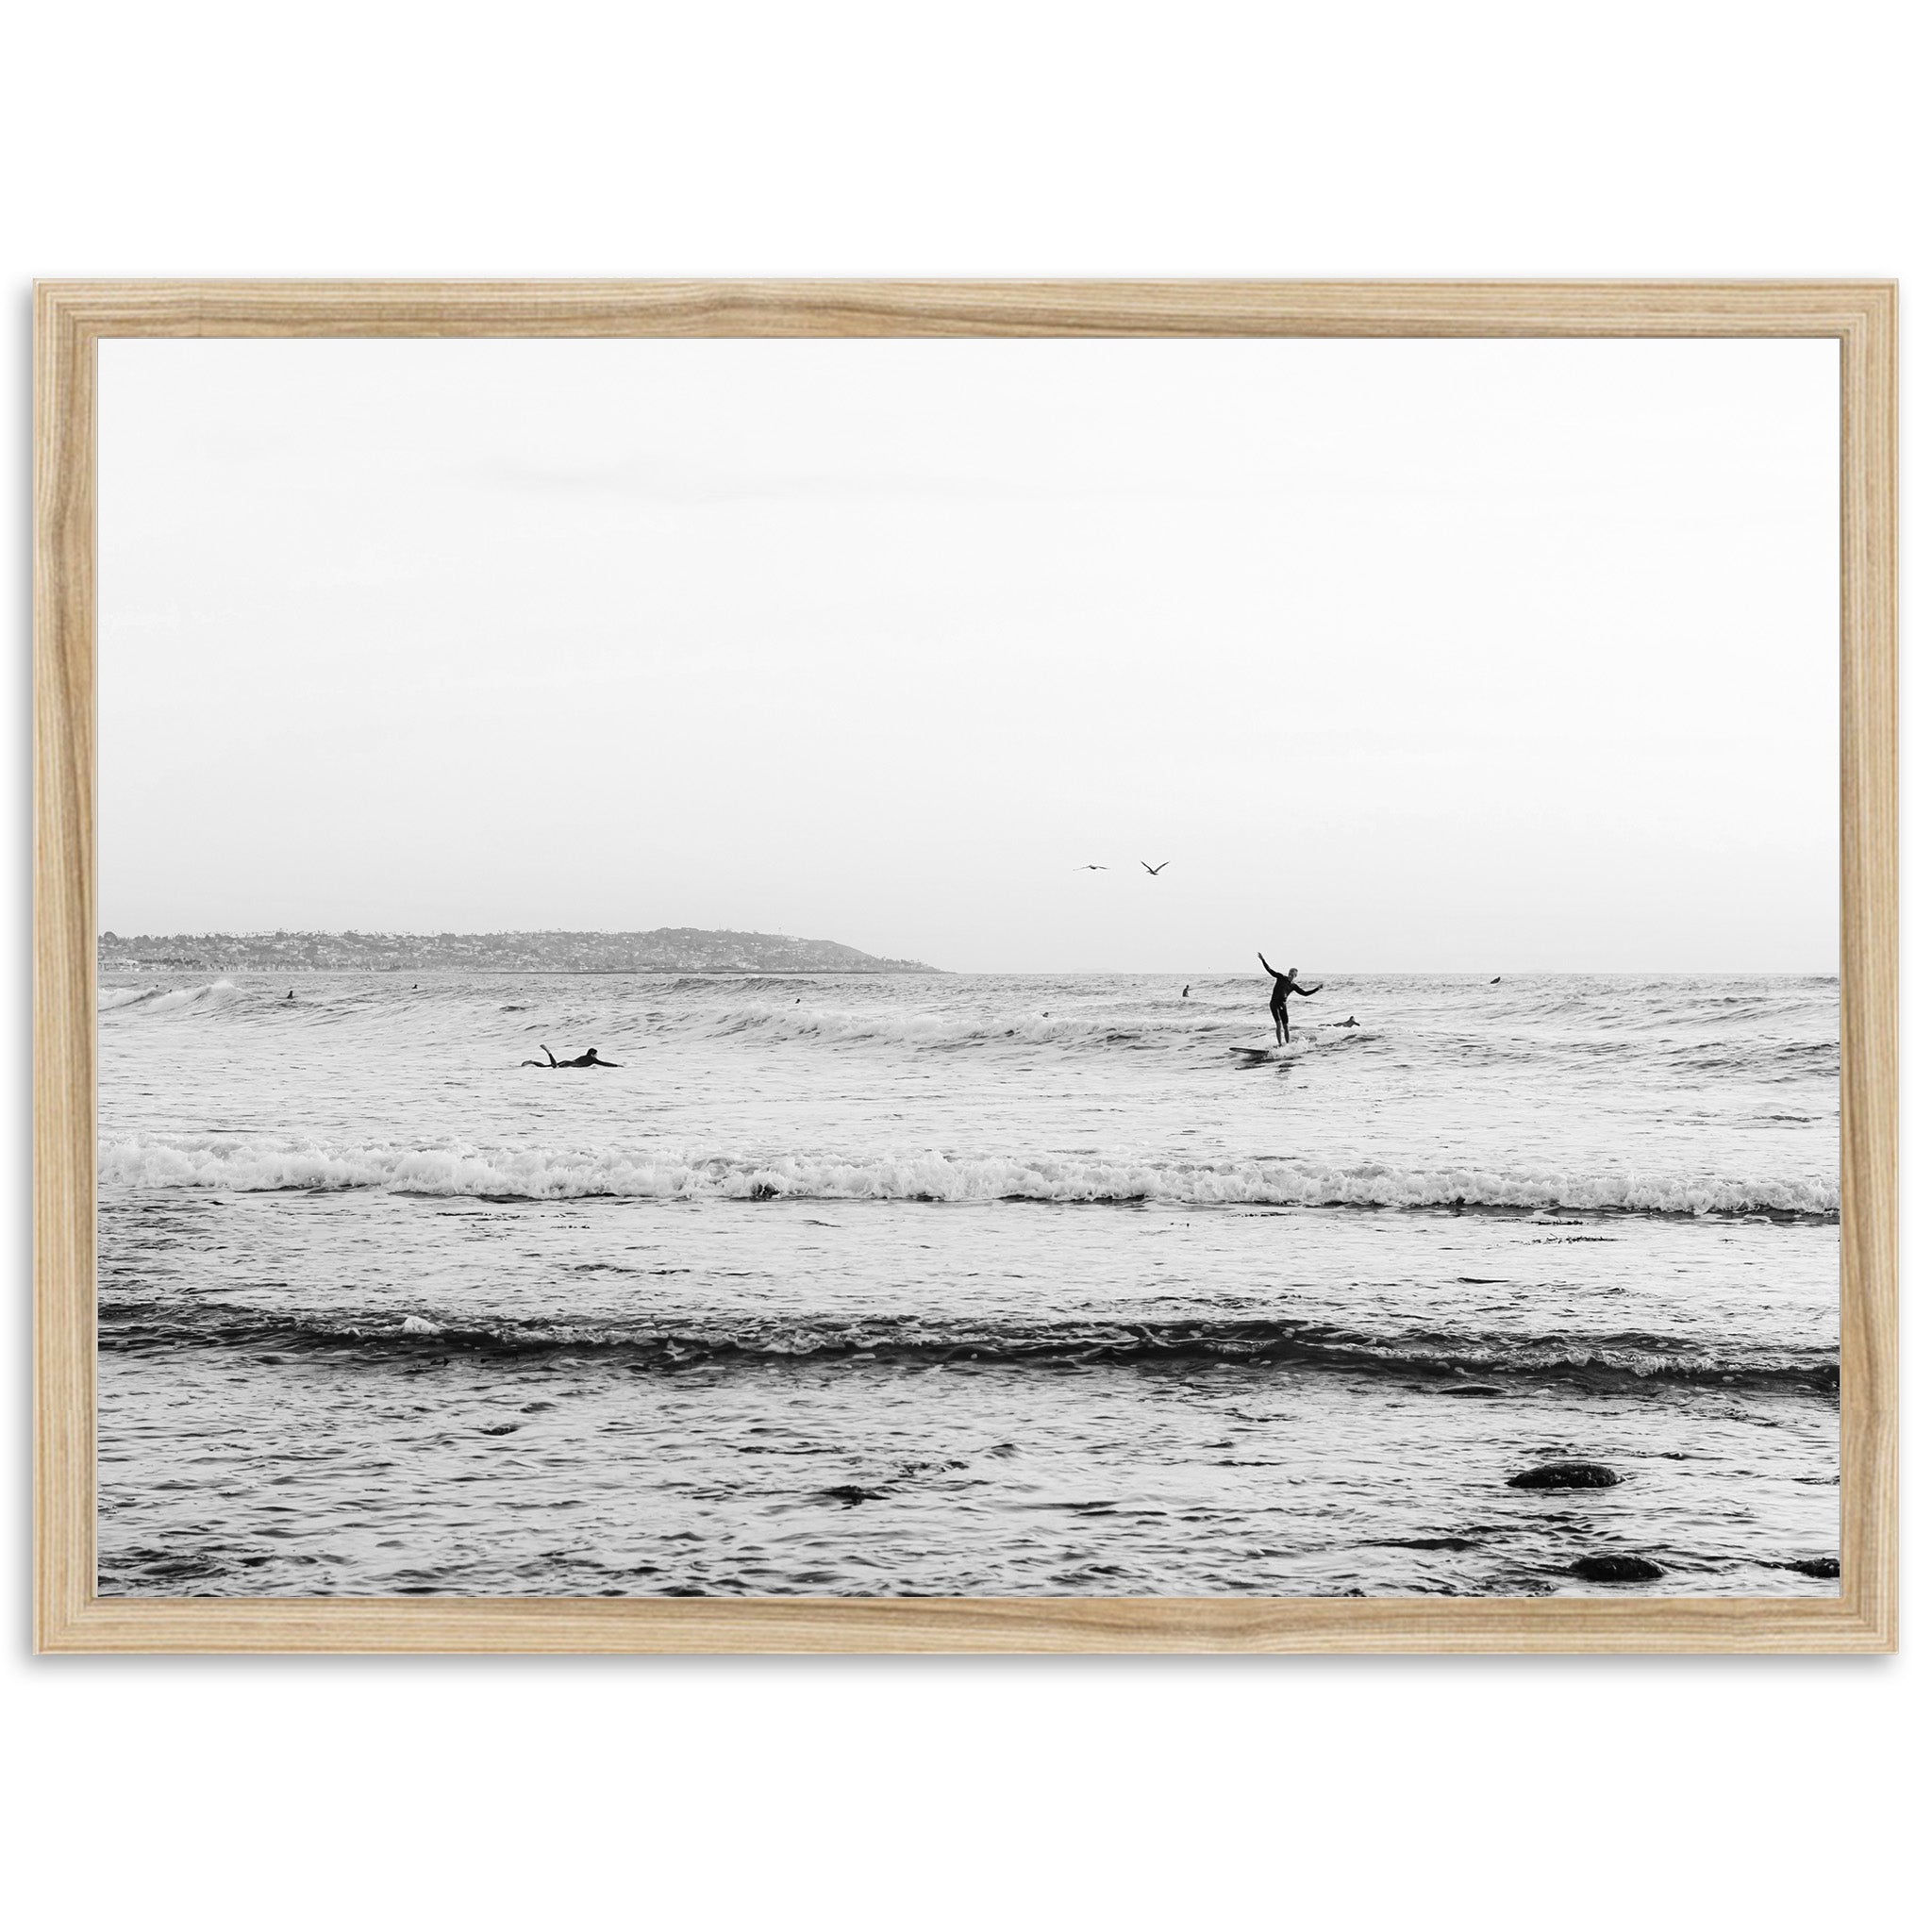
1684	139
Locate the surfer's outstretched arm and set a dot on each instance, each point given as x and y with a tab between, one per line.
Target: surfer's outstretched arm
1295	986
1265	967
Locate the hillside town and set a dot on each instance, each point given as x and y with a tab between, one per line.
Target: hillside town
668	949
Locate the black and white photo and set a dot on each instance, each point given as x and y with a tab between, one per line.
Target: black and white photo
969	968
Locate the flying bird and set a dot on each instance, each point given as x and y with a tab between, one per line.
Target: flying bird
1154	871
1089	868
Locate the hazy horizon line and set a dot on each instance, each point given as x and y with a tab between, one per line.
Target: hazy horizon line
927	972
913	966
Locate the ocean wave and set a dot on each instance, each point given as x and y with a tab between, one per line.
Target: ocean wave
653	1012
1607	1361
1693	1036
257	1164
1135	1032
1773	1059
160	999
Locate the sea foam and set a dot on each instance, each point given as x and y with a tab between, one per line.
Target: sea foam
253	1164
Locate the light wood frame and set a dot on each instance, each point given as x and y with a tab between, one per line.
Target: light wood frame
73	316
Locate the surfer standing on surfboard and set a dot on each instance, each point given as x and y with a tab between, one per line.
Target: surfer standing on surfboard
1285	983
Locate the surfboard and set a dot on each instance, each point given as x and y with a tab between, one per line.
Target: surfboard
1254	1054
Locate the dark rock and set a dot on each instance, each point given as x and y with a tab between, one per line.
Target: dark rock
1815	1566
1616	1568
1474	1388
851	1494
1566	1476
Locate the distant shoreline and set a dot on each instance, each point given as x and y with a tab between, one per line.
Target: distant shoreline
550	949
546	972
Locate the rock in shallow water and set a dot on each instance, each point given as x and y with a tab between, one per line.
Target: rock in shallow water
1815	1566
1616	1568
1566	1476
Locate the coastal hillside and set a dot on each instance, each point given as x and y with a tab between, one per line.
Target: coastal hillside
668	949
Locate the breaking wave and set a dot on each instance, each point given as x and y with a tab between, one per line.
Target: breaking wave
1471	1364
256	1164
160	999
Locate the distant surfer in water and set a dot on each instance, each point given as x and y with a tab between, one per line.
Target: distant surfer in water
583	1059
1285	983
1183	993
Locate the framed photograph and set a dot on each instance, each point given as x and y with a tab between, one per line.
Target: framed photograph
960	966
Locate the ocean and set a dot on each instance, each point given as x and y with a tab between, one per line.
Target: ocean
966	1285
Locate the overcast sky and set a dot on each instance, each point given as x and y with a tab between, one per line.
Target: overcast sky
1416	656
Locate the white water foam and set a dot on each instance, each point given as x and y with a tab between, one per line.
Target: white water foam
251	1164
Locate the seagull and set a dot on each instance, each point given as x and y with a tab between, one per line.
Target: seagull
1154	871
1089	868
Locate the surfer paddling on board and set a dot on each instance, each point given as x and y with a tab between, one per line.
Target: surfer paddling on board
1285	983
583	1059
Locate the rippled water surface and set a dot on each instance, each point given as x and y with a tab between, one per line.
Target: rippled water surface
965	1284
